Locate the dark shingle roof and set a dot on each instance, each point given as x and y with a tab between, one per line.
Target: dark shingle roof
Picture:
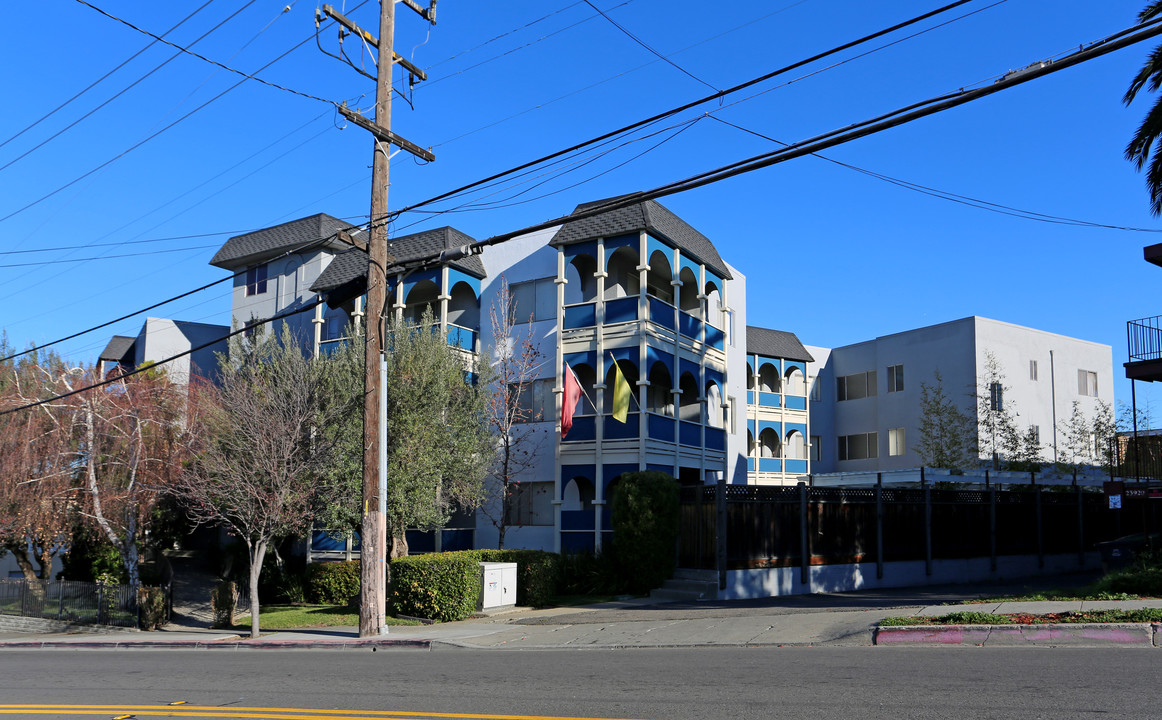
246	249
351	266
118	347
649	215
775	343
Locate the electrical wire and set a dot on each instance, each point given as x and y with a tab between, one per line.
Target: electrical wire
952	197
186	50
101	79
123	242
105	257
643	43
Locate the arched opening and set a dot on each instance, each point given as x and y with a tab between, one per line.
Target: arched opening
288	283
714	409
714	314
577	494
769	381
629	370
423	295
463	307
750	378
660	278
796	382
796	445
582	283
769	443
750	444
588	378
660	396
688	301
691	408
622	276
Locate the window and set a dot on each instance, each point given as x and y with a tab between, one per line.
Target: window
1032	369
529	503
256	280
858	447
537	401
896	444
535	299
895	378
854	387
816	390
1035	431
816	448
1087	383
996	397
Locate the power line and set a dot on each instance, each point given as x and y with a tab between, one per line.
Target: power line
105	257
641	42
101	79
952	197
123	242
309	245
121	376
187	51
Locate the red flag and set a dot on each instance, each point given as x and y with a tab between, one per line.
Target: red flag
569	400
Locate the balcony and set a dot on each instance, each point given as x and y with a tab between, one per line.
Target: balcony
1145	345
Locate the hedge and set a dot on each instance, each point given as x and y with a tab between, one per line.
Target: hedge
438	586
334	583
645	510
538	574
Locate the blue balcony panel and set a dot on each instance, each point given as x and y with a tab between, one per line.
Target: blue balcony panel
584	429
770	465
750	397
715	438
462	337
662	313
689	325
577	542
460	539
579	316
326	541
576	519
661	427
797	466
690	433
768	399
795	402
714	337
750	464
617	430
621	310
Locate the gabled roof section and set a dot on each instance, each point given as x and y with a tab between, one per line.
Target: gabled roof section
775	343
351	266
256	246
648	215
119	346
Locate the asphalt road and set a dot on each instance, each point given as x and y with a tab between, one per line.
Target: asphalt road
740	684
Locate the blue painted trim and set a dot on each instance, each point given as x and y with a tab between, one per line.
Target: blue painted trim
568	472
770	465
621	310
715	338
416	278
655	245
660	427
750	397
750	464
623	353
661	313
691	264
750	424
797	466
617	430
776	426
802	428
689	325
788	364
581	358
459	276
767	399
654	355
715	438
584	429
577	520
690	433
796	402
620	241
750	362
687	366
715	377
585	248
580	316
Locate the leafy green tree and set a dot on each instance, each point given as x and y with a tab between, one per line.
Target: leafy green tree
947	435
439	444
1142	147
996	430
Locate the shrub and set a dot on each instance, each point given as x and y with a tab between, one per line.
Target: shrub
645	528
538	573
224	601
439	586
586	574
150	608
90	556
333	583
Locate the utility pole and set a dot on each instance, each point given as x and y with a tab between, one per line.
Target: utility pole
373	553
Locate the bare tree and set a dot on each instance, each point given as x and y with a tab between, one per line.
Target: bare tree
255	455
511	406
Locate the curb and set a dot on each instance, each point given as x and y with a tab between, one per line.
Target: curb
372	643
1049	635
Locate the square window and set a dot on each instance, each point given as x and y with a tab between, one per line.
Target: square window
895	378
896	444
256	280
1087	383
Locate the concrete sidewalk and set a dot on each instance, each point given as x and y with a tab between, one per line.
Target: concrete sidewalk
824	619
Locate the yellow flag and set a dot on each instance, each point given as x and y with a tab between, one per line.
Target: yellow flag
620	395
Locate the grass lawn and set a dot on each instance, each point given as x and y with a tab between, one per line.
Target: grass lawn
293	617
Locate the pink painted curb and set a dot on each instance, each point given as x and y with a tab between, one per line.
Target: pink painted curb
1077	634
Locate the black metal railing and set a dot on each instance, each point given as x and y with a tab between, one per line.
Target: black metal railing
1145	338
69	601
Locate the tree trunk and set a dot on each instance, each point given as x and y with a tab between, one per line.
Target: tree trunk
257	553
399	542
25	565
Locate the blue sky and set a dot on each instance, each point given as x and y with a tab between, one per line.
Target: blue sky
832	254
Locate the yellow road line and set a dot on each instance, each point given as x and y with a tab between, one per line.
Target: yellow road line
268	713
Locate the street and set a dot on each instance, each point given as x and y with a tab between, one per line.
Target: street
812	682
